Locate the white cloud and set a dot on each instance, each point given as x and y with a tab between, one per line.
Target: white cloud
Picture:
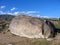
45	16
2	7
26	12
38	15
13	9
33	13
30	12
15	13
9	13
1	12
22	12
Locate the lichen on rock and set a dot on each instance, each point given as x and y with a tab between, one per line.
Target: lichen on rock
30	27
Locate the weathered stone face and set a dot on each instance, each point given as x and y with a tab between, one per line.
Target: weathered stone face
30	27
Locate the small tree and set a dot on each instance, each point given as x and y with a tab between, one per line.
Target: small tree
59	20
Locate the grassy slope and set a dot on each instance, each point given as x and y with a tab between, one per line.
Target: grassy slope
57	24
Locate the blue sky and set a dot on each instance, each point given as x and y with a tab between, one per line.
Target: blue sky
43	8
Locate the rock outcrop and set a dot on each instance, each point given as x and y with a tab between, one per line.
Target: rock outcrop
30	27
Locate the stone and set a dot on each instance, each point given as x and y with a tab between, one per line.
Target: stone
30	27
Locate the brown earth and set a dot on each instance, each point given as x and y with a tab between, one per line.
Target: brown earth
7	38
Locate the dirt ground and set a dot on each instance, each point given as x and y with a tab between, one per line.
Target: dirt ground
6	38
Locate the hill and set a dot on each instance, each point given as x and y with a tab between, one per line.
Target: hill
6	17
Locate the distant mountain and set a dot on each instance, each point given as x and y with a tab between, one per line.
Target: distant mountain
9	17
6	17
51	19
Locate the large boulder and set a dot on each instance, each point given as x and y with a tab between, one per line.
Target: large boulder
30	27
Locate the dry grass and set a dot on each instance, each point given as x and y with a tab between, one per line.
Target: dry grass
56	23
9	38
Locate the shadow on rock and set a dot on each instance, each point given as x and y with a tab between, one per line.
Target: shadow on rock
58	30
53	28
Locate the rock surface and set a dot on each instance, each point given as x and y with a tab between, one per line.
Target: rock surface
30	27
